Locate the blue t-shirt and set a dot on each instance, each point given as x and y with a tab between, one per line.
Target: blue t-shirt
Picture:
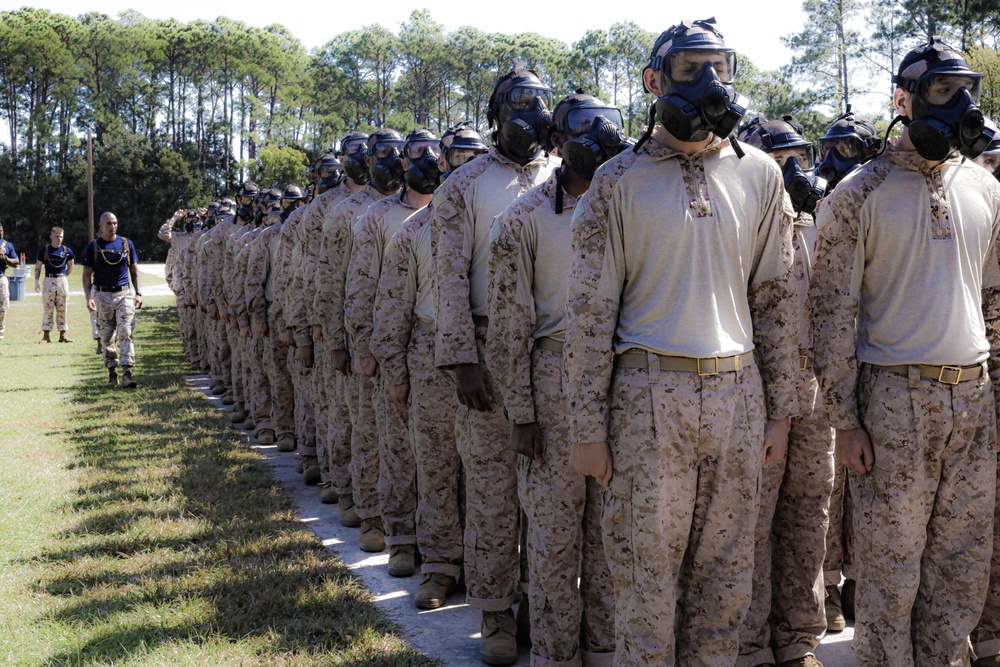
109	260
7	250
55	259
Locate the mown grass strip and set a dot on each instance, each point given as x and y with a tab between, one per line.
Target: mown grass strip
138	529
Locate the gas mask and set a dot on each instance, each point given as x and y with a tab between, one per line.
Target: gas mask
941	126
355	167
585	153
524	130
804	189
840	157
329	182
423	176
387	171
691	110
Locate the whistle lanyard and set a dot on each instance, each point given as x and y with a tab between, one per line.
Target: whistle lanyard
52	264
122	254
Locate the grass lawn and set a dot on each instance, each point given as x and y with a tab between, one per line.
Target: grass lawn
135	528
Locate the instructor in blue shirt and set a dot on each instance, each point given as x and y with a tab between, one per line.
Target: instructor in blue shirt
108	263
57	260
8	258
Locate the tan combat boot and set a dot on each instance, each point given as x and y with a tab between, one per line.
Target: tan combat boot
286	443
127	381
835	621
348	515
327	494
372	538
497	645
112	377
265	437
63	338
808	661
238	415
310	471
45	337
434	590
402	560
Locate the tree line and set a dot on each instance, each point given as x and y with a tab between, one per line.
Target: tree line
183	112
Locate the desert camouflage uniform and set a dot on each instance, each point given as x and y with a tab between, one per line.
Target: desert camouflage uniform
397	475
166	234
4	291
188	296
116	320
259	298
328	304
570	592
464	208
55	295
210	281
202	320
986	636
174	272
55	288
300	311
786	619
838	563
249	355
234	242
690	257
283	269
115	310
403	343
923	515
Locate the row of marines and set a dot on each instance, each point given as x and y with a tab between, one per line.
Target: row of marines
433	324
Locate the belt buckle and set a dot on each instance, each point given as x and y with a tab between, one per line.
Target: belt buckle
957	370
708	372
803	362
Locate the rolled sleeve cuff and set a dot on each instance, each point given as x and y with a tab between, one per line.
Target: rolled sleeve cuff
520	411
586	428
302	336
781	403
395	371
445	357
361	348
843	417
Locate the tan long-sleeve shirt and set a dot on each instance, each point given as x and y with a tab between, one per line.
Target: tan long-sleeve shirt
903	260
529	263
464	209
680	255
404	298
372	231
335	256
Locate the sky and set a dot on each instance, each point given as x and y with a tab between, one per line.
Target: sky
754	34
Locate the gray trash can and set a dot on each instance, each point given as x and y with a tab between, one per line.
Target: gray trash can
15	285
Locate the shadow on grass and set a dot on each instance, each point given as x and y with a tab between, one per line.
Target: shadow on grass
176	520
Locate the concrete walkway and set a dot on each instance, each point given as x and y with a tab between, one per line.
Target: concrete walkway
451	633
76	287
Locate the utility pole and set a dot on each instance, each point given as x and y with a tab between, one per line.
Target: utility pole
90	184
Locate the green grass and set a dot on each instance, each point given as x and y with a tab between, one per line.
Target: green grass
138	530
